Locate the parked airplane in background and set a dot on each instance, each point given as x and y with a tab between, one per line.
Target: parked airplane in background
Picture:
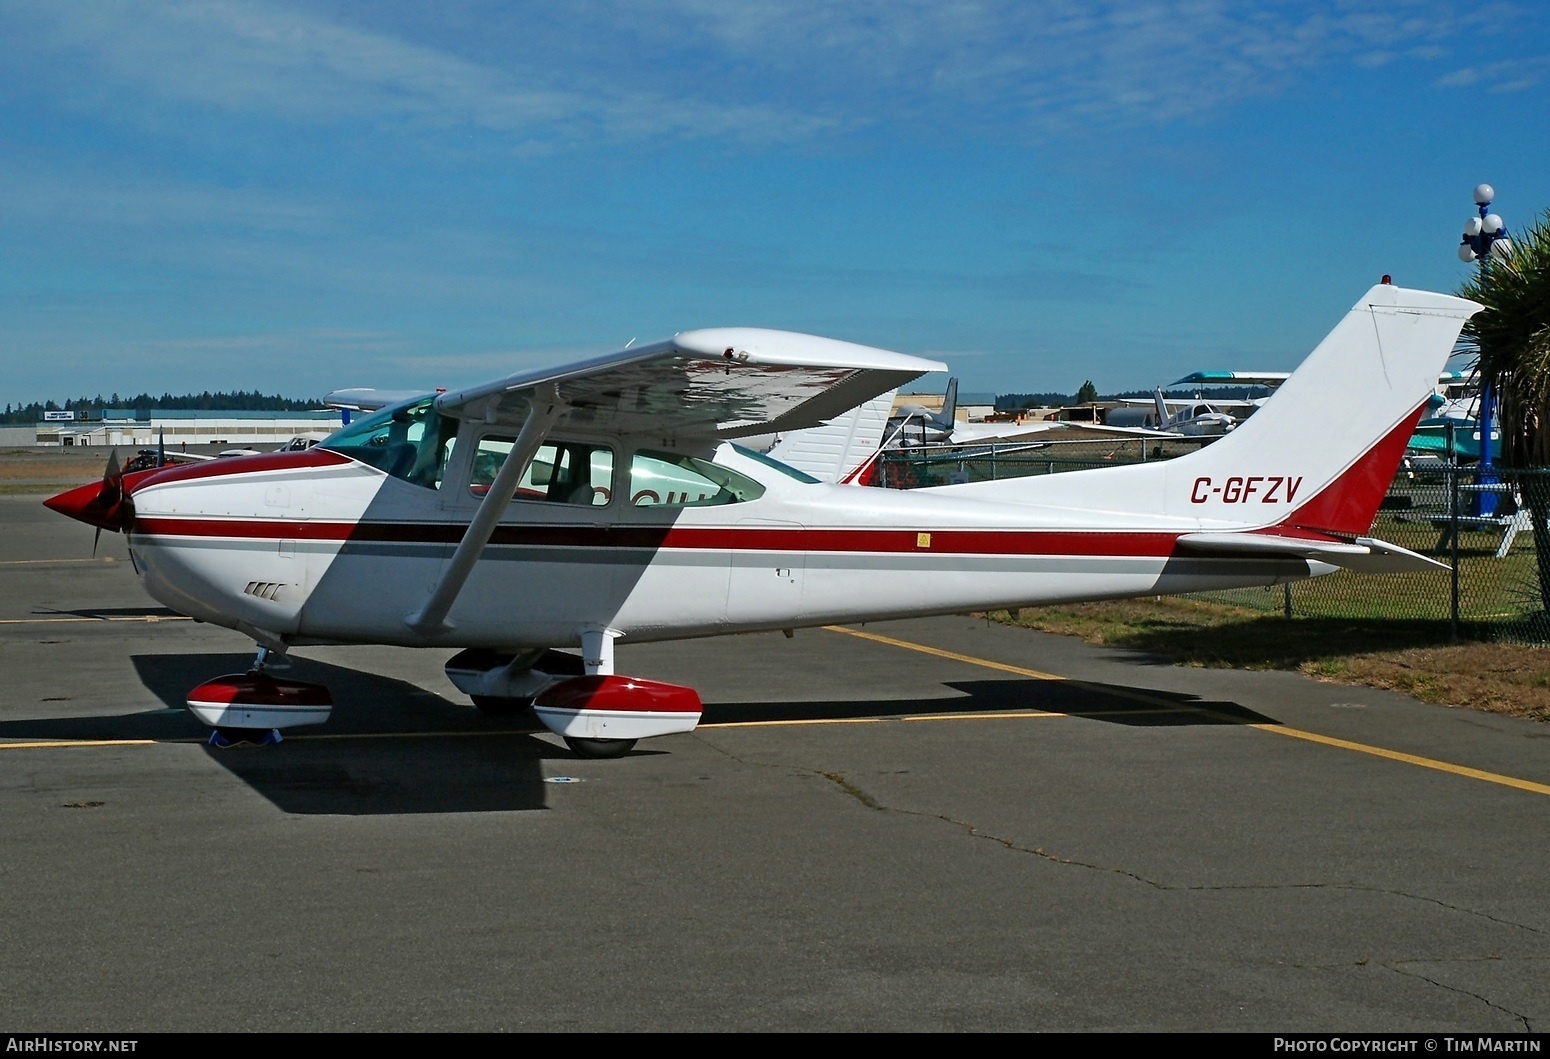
917	424
607	501
1194	419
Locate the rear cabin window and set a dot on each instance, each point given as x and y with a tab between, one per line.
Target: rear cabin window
560	472
410	441
661	479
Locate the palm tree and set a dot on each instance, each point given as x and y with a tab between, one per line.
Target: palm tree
1511	337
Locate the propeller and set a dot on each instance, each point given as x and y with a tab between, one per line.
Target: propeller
112	480
101	504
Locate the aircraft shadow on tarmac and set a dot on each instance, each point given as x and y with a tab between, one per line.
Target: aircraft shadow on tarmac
108	613
390	748
1115	703
393	748
413	751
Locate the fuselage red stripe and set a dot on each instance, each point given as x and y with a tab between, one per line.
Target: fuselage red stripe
894	541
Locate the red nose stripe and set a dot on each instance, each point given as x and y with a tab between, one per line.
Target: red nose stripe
87	503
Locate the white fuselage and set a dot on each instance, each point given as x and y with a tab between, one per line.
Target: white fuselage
314	547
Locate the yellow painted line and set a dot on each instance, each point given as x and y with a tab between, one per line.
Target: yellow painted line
1166	706
1409	759
1017	715
59	744
149	618
1036	674
1012	716
36	562
792	723
938	652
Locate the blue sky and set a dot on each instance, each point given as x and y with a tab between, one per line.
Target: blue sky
300	197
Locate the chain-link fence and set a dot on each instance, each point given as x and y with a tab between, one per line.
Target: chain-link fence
1480	524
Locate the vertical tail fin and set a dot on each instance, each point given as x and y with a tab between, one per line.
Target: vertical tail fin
1318	455
949	414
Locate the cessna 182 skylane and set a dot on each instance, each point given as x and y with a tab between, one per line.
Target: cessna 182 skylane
607	501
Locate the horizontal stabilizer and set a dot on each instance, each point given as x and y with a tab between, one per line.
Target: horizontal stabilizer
1365	555
366	399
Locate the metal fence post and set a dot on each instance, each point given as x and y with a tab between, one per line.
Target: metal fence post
1453	529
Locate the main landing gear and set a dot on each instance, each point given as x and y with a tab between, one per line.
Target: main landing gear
252	707
598	714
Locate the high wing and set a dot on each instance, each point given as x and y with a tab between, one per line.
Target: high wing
1052	430
1233	378
717	383
367	399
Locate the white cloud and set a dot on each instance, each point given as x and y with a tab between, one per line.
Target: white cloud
777	71
1460	78
1519	85
1500	75
270	60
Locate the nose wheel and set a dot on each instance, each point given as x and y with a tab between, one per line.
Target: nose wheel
252	707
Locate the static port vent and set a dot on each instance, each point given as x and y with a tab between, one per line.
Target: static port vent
264	589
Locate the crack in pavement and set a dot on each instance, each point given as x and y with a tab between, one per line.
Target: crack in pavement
870	802
863	798
1397	968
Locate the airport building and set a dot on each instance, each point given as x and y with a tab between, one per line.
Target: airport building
126	427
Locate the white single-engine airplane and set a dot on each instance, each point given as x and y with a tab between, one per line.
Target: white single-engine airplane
606	501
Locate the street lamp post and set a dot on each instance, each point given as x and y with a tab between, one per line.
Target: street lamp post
1485	238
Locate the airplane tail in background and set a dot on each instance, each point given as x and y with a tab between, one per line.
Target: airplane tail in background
1318	456
1162	409
835	451
949	413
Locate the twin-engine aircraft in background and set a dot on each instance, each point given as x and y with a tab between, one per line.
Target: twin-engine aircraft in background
609	501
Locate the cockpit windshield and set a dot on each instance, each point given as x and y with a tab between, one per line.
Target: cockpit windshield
774	464
411	441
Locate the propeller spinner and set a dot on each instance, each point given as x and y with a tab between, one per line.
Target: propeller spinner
101	504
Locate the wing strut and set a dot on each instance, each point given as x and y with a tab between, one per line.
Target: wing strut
432	617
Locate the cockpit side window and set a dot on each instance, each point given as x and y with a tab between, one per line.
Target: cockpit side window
561	472
661	479
411	441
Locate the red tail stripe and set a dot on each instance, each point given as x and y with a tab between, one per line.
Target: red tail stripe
1349	503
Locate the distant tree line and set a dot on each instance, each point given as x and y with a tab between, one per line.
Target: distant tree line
236	401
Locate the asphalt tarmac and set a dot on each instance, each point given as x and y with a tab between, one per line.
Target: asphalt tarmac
938	824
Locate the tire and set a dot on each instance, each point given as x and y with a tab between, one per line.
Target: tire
491	706
600	748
